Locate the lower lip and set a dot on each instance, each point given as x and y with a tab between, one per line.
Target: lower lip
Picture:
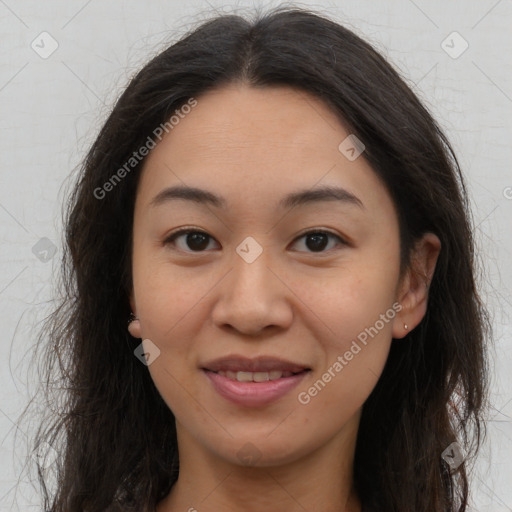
253	394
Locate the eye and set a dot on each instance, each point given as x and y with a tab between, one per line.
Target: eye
197	240
316	240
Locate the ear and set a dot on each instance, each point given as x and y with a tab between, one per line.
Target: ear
134	325
413	289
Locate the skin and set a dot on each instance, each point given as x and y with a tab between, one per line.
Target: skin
253	146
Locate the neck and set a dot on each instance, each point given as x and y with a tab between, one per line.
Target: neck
322	480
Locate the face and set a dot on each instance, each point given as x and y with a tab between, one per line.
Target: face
273	316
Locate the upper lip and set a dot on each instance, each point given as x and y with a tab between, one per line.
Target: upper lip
237	363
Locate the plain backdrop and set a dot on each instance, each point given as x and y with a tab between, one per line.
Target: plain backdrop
64	63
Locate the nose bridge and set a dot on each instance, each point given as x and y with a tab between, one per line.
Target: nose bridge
251	297
251	275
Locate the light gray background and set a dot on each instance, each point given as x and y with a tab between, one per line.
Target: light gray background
52	108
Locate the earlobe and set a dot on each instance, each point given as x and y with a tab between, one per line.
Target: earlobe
134	327
413	293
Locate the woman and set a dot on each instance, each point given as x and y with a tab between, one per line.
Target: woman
286	228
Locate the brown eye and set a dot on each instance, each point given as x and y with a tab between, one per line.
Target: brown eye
193	240
316	241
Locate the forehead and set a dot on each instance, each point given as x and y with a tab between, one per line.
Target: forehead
275	121
254	145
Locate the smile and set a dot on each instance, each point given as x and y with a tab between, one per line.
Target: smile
253	389
255	376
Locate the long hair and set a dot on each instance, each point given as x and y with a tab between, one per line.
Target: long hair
114	434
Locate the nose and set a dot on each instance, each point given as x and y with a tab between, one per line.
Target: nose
253	297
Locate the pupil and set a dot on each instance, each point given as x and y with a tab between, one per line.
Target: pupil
317	243
197	241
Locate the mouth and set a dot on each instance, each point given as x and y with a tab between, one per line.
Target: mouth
257	365
241	376
253	382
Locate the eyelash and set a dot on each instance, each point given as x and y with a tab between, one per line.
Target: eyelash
184	231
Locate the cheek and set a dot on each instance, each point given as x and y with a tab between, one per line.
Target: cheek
352	314
167	293
348	300
173	304
352	358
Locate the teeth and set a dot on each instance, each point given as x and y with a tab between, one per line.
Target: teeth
244	376
255	376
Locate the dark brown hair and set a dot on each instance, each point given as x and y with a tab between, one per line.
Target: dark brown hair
113	432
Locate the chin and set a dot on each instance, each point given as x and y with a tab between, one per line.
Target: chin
261	451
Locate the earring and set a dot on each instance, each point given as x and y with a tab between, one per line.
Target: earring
405	327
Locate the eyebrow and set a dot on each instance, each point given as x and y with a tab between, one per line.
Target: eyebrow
301	197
